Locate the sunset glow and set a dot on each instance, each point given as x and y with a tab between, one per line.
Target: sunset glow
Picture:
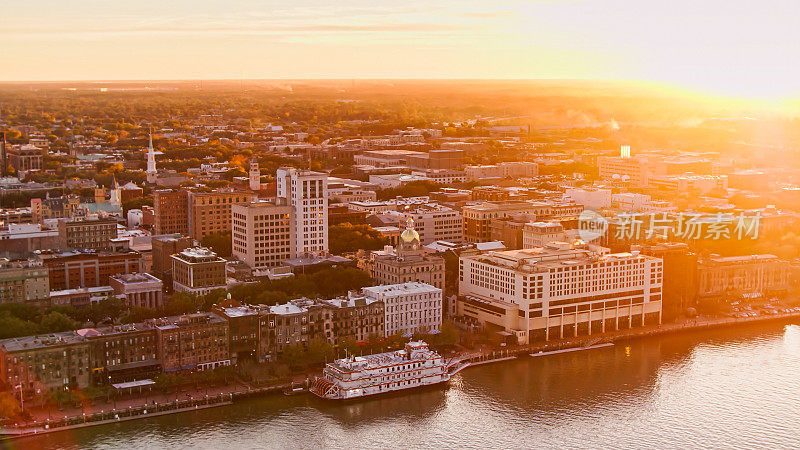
729	47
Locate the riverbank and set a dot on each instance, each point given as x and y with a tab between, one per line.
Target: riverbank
44	421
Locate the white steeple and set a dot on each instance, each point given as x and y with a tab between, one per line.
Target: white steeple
116	193
152	173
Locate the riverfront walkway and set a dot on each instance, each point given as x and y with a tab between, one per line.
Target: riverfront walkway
148	404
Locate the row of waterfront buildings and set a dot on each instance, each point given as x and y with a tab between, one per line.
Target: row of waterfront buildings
231	332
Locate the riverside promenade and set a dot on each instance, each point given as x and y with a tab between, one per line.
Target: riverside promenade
139	406
136	406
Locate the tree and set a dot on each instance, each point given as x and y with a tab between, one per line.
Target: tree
11	326
219	242
182	303
350	345
319	350
293	355
338	281
139	314
23	311
448	334
397	340
9	406
56	321
112	307
348	238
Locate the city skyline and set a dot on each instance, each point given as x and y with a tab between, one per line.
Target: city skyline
728	48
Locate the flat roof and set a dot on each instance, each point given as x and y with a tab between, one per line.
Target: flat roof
133	384
41	341
411	287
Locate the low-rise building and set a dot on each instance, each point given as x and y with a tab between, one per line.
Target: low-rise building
87	234
24	281
76	269
24	238
47	362
197	271
433	222
122	353
539	234
409	308
139	289
163	247
750	276
510	169
80	297
192	342
407	262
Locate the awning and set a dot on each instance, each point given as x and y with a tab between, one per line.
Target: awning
135	364
133	384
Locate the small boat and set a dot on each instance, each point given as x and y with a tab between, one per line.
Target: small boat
294	390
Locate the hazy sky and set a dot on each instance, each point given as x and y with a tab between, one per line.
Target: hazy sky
732	46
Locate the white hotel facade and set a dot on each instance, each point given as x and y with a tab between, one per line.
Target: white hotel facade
560	291
408	307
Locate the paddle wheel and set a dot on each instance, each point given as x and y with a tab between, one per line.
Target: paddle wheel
324	388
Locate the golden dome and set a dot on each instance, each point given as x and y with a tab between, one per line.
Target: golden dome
410	234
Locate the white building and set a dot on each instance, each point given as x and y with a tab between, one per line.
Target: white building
139	289
593	199
441	176
560	291
539	234
307	193
393	180
631	202
347	195
409	307
135	217
508	169
263	234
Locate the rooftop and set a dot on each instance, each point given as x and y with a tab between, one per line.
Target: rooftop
411	287
554	255
131	278
41	341
197	254
115	330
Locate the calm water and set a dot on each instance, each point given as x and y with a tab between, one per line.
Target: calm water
733	388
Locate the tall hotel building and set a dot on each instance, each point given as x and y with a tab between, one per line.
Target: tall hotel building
307	193
263	233
560	291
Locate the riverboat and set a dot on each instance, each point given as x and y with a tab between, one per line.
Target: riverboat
358	376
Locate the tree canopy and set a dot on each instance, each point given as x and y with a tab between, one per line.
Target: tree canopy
347	238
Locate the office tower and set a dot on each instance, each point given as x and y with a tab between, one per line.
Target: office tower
307	193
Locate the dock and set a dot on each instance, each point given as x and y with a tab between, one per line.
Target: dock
573	349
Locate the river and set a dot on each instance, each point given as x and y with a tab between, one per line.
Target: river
725	388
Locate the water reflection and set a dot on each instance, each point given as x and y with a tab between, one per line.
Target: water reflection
727	388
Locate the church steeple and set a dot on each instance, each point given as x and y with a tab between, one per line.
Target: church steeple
116	193
152	173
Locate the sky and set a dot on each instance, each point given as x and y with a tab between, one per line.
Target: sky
734	47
